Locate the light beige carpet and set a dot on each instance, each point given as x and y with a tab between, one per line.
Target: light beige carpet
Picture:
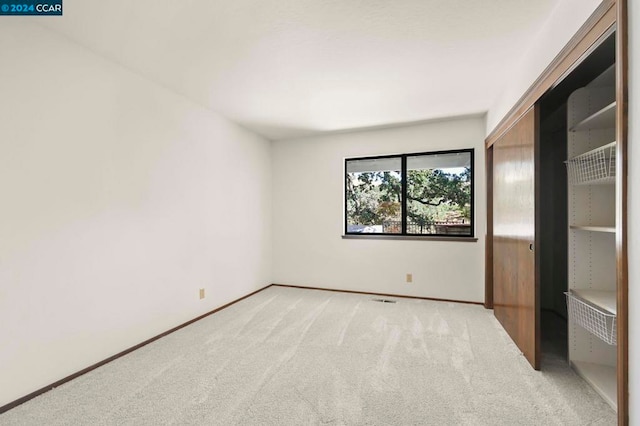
302	357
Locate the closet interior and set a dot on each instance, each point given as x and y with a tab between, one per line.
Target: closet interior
576	220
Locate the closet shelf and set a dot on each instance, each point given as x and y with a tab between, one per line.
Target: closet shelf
592	228
597	166
604	299
603	119
595	311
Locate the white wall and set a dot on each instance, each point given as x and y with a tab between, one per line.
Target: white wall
566	19
119	200
308	218
634	211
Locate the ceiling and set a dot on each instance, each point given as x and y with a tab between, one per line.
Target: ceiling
289	68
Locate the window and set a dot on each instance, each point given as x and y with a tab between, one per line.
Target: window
428	193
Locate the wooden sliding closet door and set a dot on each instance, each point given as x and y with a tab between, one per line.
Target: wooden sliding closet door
515	292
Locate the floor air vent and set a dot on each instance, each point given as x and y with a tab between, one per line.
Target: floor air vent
384	300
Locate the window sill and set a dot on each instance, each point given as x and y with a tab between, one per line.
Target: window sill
408	237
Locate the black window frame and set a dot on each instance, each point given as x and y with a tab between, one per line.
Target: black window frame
403	158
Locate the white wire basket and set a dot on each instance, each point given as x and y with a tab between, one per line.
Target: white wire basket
595	166
598	322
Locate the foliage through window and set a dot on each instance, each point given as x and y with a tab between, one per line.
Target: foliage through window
411	194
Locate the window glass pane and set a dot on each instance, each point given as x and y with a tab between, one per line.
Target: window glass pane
439	194
374	195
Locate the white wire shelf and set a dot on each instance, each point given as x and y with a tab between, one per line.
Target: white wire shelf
597	166
605	118
595	311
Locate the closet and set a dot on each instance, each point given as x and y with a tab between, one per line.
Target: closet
556	259
576	220
591	171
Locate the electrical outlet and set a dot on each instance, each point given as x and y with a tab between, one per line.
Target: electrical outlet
409	278
202	293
